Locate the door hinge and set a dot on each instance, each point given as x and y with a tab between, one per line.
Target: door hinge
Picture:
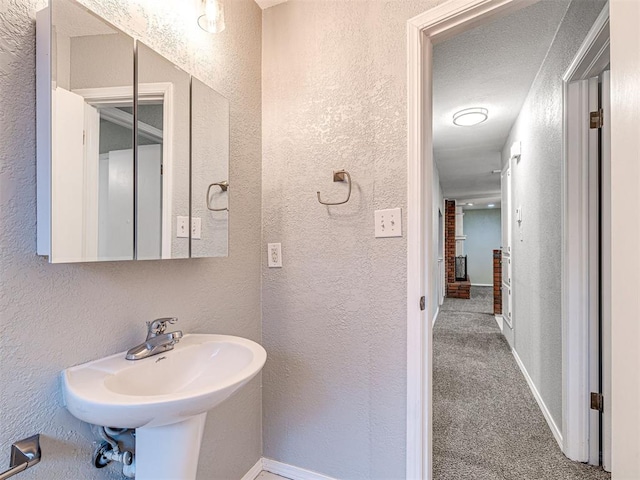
597	401
422	302
596	119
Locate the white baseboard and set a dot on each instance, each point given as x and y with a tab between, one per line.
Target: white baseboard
482	284
289	471
545	411
500	322
254	472
284	470
435	317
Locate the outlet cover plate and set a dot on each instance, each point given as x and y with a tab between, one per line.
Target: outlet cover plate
274	255
388	223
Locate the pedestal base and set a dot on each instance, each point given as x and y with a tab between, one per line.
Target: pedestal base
169	452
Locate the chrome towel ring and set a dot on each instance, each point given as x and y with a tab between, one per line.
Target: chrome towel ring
339	176
224	186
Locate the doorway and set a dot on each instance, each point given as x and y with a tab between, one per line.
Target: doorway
436	25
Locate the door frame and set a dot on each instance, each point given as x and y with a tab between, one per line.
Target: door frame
591	59
433	26
436	24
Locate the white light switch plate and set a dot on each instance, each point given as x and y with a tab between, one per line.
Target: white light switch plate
388	223
183	227
274	254
196	228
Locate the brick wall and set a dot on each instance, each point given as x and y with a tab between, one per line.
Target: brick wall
459	290
450	240
497	282
454	289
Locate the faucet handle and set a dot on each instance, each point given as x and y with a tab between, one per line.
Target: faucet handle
159	326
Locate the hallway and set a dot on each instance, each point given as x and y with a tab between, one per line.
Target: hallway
486	422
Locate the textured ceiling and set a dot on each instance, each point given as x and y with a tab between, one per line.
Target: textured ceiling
491	66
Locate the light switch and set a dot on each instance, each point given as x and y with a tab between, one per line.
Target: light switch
196	228
388	223
183	227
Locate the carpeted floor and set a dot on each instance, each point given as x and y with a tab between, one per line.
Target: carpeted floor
486	423
481	301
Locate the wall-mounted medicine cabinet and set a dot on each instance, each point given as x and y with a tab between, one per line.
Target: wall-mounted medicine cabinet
132	151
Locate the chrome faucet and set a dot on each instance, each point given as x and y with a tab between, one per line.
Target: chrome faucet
157	340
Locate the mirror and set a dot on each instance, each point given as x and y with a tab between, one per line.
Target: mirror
210	171
163	157
124	175
91	138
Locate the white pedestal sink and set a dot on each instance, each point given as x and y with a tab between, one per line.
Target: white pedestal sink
164	397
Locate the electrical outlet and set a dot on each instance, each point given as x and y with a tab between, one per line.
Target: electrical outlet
388	223
274	254
196	228
182	227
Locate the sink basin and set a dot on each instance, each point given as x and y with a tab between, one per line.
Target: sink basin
199	373
164	397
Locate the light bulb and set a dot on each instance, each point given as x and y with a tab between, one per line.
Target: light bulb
213	19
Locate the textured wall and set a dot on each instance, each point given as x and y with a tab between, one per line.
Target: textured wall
483	231
334	317
55	316
537	187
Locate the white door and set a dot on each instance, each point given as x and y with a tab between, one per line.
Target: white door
116	227
149	232
67	177
91	181
507	301
594	270
600	273
116	204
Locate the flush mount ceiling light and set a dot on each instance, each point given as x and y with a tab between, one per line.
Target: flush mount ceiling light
470	116
470	204
491	205
212	20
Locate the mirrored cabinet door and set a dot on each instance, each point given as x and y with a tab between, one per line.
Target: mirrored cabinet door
162	191
118	177
210	186
92	171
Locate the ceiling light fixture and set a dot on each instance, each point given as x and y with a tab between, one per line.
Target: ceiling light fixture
470	116
491	205
212	20
469	204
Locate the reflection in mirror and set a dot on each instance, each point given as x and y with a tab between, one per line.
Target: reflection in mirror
92	138
210	170
163	157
